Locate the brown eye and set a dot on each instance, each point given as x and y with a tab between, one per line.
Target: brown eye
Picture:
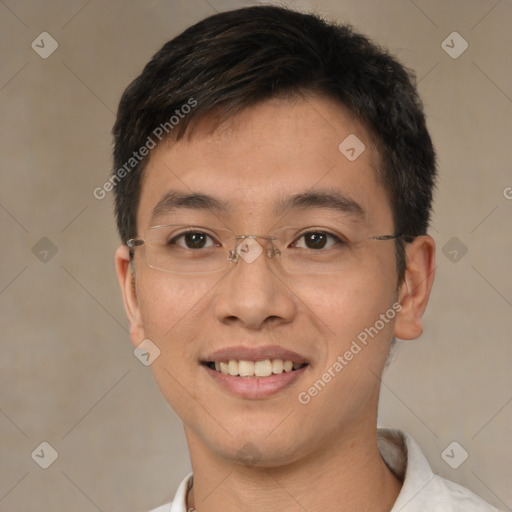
316	240
193	240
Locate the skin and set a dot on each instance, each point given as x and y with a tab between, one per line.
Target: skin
312	456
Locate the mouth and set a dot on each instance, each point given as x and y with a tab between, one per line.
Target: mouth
254	369
254	373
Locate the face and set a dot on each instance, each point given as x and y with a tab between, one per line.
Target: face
329	303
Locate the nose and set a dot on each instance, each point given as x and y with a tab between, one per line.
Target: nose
253	294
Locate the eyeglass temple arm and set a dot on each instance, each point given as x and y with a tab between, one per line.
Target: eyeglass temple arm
384	237
134	242
407	238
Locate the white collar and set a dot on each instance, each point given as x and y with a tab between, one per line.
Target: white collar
421	489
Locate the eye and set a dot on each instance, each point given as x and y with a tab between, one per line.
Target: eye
194	240
317	240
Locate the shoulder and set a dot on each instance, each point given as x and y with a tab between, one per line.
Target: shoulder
179	503
162	508
453	497
421	488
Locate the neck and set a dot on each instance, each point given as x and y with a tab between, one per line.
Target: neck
348	473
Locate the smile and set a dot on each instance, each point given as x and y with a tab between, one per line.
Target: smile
252	372
259	369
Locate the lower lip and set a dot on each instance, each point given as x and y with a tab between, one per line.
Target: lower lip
255	387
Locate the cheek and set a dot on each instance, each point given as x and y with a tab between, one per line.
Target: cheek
345	304
170	307
173	310
356	318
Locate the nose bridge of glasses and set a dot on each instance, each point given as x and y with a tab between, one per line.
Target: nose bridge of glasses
250	247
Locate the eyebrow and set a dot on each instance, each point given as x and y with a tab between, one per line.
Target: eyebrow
172	201
329	199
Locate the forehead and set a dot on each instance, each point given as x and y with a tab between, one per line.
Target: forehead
265	155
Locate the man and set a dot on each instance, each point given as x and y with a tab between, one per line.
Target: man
273	180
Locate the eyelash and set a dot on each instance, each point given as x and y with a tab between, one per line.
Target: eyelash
337	240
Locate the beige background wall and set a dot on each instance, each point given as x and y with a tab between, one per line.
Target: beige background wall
68	373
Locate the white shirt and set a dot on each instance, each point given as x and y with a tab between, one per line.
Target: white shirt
422	490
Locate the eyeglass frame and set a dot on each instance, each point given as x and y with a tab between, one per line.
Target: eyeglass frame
233	255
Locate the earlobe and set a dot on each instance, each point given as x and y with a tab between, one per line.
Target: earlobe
126	280
415	289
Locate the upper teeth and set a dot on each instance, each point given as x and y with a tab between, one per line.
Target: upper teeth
263	368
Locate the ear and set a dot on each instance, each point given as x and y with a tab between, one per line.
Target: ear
126	278
415	290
